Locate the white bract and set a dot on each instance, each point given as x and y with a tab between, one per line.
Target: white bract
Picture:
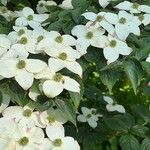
144	19
125	24
104	3
54	38
5	44
99	20
88	36
133	7
55	83
22	69
148	58
66	4
111	106
5	102
29	18
59	141
89	115
114	48
24	116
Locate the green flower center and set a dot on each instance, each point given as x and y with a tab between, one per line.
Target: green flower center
135	5
63	56
99	18
58	77
21	32
21	64
40	38
23	141
113	43
4	10
23	40
59	39
41	5
27	113
93	112
51	119
122	20
30	17
141	17
57	142
89	116
89	35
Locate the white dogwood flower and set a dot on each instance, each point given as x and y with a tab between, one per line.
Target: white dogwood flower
114	48
111	106
125	24
90	116
99	20
54	83
16	51
28	139
24	116
59	141
42	4
29	43
88	36
64	58
22	69
133	7
5	44
29	18
15	35
52	117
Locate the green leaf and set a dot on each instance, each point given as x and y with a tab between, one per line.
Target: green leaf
139	130
129	142
67	109
43	103
56	26
134	72
1	97
53	8
145	144
76	15
146	66
142	111
80	3
109	78
124	122
77	97
143	52
17	94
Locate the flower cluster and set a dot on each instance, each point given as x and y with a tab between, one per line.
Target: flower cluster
32	54
118	27
18	46
22	128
